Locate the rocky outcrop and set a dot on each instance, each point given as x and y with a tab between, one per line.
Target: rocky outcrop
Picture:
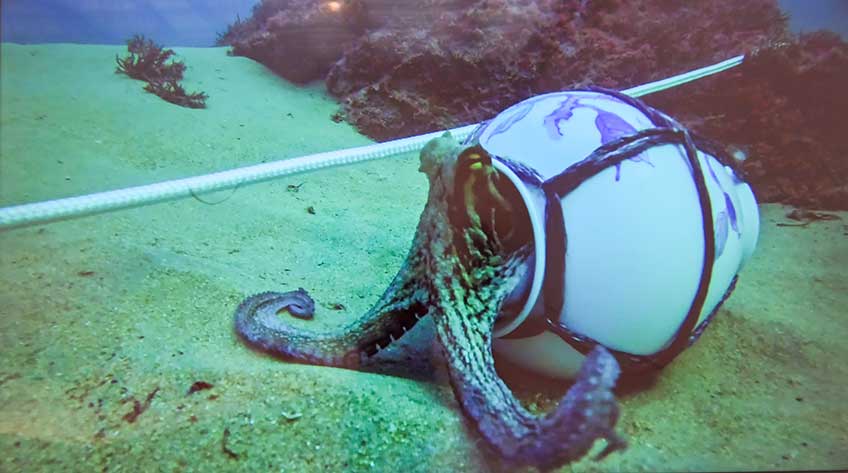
784	109
297	39
405	67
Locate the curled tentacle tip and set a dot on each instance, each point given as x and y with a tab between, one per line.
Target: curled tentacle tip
258	314
615	442
298	303
601	366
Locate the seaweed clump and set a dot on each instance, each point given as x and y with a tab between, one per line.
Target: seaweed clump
147	61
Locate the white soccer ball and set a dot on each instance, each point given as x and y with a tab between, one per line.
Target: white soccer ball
635	230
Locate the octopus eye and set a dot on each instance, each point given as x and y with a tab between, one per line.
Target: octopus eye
487	198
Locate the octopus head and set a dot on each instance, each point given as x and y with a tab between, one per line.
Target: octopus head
483	218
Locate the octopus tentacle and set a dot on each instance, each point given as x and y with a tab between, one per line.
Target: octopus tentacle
404	302
298	303
587	412
398	309
471	275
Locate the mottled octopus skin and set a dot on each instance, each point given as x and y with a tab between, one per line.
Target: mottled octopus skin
297	303
460	277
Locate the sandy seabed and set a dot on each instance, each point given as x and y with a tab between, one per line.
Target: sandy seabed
106	322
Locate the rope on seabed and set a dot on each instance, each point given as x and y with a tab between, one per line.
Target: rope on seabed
25	215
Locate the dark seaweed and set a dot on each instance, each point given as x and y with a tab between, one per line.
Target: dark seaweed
225	448
173	92
149	62
140	407
199	386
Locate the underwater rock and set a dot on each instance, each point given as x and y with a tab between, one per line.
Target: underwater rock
403	68
783	108
297	39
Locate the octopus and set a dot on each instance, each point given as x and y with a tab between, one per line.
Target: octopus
467	256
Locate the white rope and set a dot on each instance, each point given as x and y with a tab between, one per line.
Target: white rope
24	215
681	79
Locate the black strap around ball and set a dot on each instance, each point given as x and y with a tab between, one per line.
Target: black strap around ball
666	131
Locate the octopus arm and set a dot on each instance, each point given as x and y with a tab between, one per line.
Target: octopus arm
588	411
259	322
